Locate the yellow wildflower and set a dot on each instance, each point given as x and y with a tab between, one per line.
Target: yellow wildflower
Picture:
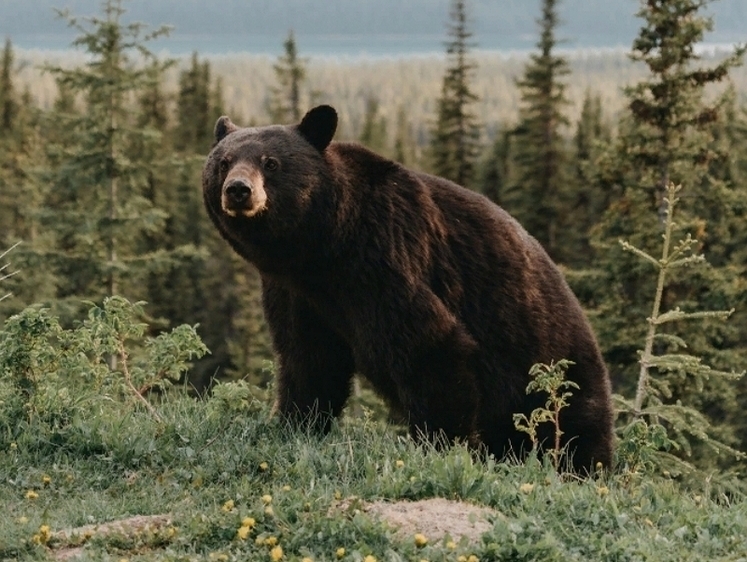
13	446
267	498
451	545
462	558
248	522
263	466
271	541
31	495
228	506
340	552
219	556
473	558
43	536
603	490
276	553
526	488
286	488
243	533
338	495
307	559
420	540
46	480
400	463
369	558
269	511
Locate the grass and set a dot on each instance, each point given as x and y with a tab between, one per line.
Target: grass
211	466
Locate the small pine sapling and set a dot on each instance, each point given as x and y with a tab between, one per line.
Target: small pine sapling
655	426
549	379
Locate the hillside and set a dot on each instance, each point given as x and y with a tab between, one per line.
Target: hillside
214	482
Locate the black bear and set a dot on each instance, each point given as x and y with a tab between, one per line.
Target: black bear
429	290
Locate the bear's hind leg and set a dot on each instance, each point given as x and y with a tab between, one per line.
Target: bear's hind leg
441	394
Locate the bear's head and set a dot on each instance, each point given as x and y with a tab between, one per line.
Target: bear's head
260	184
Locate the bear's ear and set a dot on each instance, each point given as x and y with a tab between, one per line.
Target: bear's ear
318	126
223	127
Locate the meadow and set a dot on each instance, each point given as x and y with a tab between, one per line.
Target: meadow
218	479
89	470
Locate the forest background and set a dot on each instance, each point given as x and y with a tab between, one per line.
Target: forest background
102	147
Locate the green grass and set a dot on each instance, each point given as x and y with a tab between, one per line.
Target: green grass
113	465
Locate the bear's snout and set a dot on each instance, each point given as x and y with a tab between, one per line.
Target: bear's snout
238	192
243	193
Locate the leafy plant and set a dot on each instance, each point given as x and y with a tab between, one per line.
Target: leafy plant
549	379
47	372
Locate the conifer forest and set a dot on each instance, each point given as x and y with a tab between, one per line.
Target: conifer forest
630	168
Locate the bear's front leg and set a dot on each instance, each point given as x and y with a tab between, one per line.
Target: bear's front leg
315	365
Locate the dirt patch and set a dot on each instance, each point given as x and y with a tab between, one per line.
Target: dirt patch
435	518
80	535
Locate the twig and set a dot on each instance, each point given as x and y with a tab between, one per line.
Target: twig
128	381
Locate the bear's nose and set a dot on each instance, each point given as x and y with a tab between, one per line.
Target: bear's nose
238	191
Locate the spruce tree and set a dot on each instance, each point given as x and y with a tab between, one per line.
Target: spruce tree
99	209
373	133
539	152
22	191
668	138
8	191
586	200
497	167
290	72
454	143
195	115
8	102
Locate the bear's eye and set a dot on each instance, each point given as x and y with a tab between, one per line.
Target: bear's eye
270	164
223	166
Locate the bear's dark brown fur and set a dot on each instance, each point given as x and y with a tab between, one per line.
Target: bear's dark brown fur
433	293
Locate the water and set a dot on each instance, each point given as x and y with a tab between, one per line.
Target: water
345	46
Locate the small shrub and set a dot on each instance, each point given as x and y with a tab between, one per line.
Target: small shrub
549	379
48	373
